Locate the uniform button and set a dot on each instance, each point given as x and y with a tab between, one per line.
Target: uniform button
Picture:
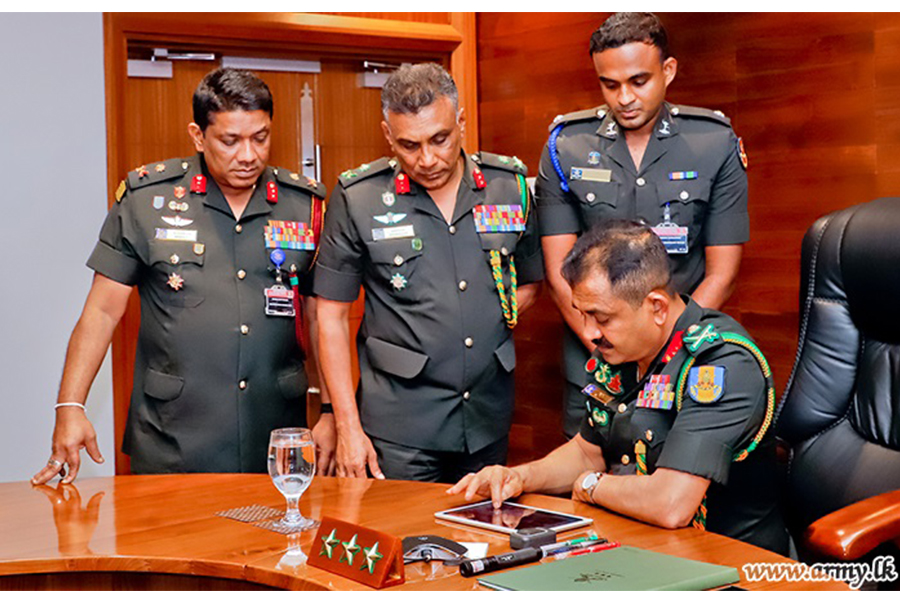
245	330
601	114
469	342
398	260
649	435
241	274
293	268
242	384
452	229
675	110
174	259
590	197
466	395
640	181
684	195
625	459
239	228
622	407
463	285
504	251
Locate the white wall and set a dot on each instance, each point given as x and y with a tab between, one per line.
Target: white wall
54	198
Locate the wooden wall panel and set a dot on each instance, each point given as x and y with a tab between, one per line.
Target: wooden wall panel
816	98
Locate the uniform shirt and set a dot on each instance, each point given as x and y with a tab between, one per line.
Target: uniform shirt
436	356
213	373
703	438
692	164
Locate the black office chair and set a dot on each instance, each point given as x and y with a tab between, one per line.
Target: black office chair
840	413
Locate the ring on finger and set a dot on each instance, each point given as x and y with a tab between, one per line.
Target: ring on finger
54	463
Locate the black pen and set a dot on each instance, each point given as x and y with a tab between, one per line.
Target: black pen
488	564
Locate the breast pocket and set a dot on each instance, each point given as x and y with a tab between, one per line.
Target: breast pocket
688	202
177	267
394	264
598	200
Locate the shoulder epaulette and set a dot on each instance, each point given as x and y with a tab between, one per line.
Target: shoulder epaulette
155	172
498	161
699	338
351	176
598	112
300	182
700	113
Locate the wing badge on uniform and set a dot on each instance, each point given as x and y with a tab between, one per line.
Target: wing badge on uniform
390	218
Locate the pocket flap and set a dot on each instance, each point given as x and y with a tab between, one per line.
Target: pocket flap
499	242
293	384
506	354
176	253
394	359
161	385
596	192
394	252
689	190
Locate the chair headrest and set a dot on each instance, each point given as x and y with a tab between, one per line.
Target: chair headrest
870	267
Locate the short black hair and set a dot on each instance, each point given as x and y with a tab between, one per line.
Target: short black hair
227	89
628	27
628	253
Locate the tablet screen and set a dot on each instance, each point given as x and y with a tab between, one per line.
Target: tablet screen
511	516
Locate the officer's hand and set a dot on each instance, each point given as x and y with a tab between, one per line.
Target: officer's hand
354	453
497	482
73	431
326	439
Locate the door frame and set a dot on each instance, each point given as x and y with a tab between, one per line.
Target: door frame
288	32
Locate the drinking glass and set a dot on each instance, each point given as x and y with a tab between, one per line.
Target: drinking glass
292	464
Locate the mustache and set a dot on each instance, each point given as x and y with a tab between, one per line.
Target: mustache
602	344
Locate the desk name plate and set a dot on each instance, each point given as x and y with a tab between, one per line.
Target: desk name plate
365	555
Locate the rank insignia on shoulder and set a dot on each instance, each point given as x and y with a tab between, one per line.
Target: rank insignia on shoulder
695	336
142	171
120	191
706	384
160	167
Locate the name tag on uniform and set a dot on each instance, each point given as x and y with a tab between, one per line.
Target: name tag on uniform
596	393
673	237
499	218
601	175
279	301
176	235
393	233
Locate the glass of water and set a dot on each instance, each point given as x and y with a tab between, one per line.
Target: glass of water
292	464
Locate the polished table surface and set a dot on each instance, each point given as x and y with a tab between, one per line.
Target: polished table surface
161	531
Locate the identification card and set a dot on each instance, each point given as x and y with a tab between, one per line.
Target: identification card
393	233
176	235
601	175
673	237
279	301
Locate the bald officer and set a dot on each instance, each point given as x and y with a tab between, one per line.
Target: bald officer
679	169
220	247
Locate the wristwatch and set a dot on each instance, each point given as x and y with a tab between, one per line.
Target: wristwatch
590	482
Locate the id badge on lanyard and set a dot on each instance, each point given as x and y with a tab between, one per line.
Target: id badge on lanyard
673	236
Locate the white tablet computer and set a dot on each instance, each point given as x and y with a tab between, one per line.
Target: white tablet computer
511	516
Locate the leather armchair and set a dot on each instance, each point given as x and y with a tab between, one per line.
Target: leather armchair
840	412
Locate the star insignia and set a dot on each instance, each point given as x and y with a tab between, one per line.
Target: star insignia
372	556
160	167
329	543
398	281
142	171
176	281
350	550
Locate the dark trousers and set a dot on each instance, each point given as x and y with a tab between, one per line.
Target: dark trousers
403	462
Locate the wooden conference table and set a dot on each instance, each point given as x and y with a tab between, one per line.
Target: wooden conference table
161	532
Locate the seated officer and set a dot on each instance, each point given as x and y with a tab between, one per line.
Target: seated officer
678	408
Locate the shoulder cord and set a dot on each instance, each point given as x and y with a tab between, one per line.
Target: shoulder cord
316	221
699	520
509	304
554	157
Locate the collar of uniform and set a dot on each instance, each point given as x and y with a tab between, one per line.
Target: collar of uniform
215	199
609	127
666	125
692	313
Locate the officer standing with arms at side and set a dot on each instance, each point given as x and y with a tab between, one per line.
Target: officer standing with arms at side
679	169
676	419
220	247
446	247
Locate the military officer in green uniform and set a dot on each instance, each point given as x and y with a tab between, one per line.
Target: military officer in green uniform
677	416
220	247
446	248
679	169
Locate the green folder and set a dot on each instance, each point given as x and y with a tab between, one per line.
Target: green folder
623	568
